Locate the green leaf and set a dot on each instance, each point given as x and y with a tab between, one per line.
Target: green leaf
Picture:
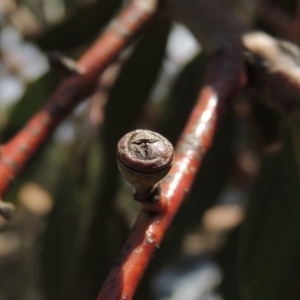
135	81
81	28
182	98
127	98
212	174
33	99
270	237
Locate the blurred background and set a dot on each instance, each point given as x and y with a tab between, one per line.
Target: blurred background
237	237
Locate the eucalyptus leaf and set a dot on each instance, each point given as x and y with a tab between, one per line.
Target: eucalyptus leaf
33	99
80	28
127	98
270	237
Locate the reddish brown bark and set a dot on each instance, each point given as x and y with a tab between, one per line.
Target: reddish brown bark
225	77
16	152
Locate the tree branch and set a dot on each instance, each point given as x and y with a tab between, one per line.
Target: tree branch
225	77
16	152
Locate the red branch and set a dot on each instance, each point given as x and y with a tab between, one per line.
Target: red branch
16	152
225	77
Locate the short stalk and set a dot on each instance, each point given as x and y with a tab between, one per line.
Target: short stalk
144	159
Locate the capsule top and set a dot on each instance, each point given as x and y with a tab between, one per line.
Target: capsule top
145	151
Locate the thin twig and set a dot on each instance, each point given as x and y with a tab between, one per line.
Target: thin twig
16	152
225	77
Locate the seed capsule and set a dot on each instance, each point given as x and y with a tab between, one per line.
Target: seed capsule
144	158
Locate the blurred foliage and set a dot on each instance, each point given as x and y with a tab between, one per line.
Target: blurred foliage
270	237
66	252
81	28
32	100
